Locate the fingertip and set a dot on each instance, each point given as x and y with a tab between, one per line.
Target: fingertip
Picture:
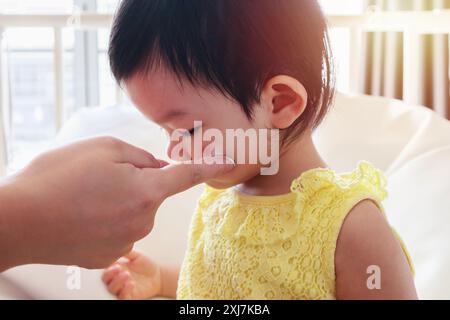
109	273
105	277
179	177
115	288
118	282
163	163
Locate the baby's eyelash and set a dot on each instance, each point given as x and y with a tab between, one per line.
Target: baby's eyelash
184	132
193	130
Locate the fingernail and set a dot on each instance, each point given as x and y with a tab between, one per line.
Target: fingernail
163	163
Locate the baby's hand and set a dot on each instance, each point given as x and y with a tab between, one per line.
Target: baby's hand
133	277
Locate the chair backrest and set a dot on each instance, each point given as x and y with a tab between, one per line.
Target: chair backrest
410	143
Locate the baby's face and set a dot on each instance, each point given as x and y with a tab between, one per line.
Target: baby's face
159	96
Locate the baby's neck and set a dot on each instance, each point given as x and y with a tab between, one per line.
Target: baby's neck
301	156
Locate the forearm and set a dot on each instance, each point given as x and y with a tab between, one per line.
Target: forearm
169	281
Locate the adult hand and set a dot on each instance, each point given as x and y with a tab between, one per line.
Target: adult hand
87	203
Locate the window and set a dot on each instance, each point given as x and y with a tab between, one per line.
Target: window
29	66
342	6
340	38
87	81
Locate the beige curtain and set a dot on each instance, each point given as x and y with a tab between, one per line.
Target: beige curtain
383	60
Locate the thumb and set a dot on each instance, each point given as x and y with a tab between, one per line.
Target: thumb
177	178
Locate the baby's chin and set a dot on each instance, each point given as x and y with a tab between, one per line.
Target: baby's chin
240	174
224	182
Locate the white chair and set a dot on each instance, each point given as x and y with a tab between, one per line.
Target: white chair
410	143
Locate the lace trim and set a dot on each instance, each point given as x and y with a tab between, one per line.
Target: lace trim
264	220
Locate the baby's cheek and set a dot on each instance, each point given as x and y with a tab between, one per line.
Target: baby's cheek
191	148
214	148
178	151
188	149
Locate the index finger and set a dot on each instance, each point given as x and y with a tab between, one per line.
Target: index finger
177	178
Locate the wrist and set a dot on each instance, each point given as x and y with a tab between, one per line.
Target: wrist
169	281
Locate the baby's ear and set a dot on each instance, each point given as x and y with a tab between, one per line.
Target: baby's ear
285	98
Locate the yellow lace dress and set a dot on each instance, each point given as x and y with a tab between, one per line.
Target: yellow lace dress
275	247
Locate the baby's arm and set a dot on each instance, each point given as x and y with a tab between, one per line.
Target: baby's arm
367	241
137	277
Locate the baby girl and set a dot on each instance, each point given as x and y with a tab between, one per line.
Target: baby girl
303	232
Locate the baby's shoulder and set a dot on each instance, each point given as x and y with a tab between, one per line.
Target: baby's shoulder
368	244
362	223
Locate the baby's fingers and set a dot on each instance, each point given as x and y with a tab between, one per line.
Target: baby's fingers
127	291
118	282
110	273
132	255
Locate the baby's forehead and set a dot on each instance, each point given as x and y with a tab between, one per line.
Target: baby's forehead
161	98
155	85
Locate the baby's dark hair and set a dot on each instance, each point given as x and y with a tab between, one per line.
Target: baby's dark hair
233	46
